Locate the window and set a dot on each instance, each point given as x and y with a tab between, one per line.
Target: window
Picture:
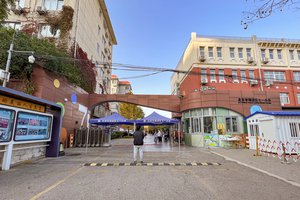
296	76
291	54
202	51
243	75
254	130
46	31
231	49
221	75
298	53
195	125
274	76
208	124
219	52
248	51
231	124
298	98
212	74
271	55
284	98
13	25
240	51
279	55
234	75
294	129
203	74
210	52
251	75
20	3
263	53
53	4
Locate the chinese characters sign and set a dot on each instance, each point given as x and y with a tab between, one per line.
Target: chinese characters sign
21	104
254	101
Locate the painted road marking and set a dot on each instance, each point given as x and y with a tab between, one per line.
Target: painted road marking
151	164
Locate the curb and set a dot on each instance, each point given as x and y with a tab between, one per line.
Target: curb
257	169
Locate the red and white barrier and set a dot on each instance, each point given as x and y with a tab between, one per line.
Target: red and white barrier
286	150
247	142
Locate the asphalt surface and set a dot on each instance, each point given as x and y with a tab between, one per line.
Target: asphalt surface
67	178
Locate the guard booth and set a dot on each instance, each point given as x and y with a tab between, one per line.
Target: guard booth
29	127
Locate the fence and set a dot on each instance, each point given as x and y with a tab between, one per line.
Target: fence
93	137
287	150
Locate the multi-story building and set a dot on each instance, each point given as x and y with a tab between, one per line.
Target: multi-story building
91	29
118	87
240	66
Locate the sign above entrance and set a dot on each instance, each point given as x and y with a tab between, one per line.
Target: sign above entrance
204	88
21	104
254	101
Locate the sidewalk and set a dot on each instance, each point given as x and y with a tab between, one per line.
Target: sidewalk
264	163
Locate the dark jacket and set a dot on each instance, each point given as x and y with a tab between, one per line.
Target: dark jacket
138	138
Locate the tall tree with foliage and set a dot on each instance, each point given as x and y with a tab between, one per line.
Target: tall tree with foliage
4	8
131	111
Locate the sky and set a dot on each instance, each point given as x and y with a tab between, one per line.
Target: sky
155	33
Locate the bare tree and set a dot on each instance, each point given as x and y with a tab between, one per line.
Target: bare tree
265	8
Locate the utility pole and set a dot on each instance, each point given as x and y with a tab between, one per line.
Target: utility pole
11	48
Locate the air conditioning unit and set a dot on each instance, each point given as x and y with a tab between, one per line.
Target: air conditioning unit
204	81
269	83
250	60
41	10
265	60
202	58
253	82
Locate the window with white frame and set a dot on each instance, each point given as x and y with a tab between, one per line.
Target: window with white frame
294	129
279	54
291	52
298	98
298	54
263	53
20	3
231	49
251	75
203	74
284	98
53	4
248	51
13	25
202	51
240	51
274	76
212	74
254	130
234	75
210	52
47	31
219	52
243	75
271	54
296	76
221	75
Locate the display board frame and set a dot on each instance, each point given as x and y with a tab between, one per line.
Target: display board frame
9	123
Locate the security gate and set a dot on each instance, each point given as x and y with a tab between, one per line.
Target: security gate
93	137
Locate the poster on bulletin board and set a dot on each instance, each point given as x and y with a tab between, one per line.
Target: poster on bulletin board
32	126
6	124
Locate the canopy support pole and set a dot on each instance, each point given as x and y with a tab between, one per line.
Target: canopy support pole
88	131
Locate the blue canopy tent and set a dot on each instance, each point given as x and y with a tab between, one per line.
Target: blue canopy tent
156	119
114	119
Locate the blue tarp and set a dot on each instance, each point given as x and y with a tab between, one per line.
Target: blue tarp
156	119
114	119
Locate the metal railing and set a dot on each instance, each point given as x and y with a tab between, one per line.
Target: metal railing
93	137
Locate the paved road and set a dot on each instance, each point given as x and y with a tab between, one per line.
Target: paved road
67	178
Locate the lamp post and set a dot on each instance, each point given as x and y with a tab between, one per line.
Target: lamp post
6	77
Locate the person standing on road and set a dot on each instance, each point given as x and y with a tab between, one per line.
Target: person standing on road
138	142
